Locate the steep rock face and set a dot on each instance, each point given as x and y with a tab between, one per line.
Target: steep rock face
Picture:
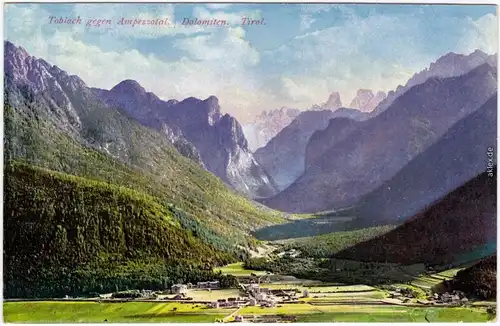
267	125
197	129
49	84
450	231
384	144
366	101
458	156
322	140
284	156
449	65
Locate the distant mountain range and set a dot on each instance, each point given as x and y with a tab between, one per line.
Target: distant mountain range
461	227
366	101
283	157
379	147
458	156
269	123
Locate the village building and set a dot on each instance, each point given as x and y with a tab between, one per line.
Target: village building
179	289
238	319
214	305
208	285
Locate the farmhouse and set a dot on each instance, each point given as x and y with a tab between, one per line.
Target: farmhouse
208	285
179	288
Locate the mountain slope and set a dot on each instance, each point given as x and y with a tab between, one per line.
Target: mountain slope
101	143
218	138
57	223
384	144
337	130
459	155
461	224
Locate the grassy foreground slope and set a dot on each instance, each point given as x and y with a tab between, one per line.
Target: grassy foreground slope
70	235
150	165
459	225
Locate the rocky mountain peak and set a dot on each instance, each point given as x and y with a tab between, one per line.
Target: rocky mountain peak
212	109
129	86
333	101
231	132
362	99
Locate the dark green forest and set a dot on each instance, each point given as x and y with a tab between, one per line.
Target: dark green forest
70	235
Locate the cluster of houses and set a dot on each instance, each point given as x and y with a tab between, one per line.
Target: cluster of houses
453	298
182	288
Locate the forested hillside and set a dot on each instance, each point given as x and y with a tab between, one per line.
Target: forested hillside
461	226
479	280
155	168
70	234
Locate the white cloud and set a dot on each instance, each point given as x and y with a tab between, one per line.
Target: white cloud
218	5
357	53
306	21
481	34
215	64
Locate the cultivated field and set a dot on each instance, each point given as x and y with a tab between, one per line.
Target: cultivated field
141	312
326	302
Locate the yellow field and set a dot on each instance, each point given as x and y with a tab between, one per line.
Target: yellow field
204	295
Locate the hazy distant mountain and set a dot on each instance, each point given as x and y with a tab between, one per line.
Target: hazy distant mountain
333	103
449	65
458	156
384	144
366	101
460	227
267	125
283	157
218	139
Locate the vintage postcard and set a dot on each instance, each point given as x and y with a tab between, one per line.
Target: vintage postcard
249	162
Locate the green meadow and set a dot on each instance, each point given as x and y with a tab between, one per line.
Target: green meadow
140	312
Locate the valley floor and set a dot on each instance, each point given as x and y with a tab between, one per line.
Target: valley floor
140	312
326	302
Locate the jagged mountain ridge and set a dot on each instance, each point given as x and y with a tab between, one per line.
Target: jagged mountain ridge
218	138
384	144
448	65
366	101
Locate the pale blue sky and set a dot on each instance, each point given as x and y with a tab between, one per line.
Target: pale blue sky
304	52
